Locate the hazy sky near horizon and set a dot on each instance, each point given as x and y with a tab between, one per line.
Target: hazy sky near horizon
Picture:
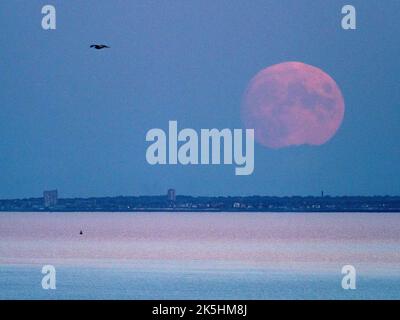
75	119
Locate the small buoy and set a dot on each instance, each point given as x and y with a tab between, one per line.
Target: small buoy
81	232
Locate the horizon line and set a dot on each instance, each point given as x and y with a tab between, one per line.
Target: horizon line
214	196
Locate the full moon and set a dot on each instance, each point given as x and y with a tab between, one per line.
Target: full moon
292	104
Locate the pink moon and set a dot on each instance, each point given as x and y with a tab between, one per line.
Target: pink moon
292	104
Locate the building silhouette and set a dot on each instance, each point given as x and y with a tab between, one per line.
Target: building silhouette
171	195
50	198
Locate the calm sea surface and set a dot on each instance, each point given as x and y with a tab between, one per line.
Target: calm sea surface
200	255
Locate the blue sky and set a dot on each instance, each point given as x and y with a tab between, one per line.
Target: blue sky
75	119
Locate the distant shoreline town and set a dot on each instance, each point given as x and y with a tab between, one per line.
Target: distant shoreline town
50	202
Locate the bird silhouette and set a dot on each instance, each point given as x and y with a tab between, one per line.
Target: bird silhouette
99	46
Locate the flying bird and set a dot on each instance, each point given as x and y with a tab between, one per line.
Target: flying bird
99	46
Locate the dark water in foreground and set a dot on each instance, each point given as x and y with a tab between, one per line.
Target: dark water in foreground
121	283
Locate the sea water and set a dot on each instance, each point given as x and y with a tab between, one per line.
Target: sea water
199	255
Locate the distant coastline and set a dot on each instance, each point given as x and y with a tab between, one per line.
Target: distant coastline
205	204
